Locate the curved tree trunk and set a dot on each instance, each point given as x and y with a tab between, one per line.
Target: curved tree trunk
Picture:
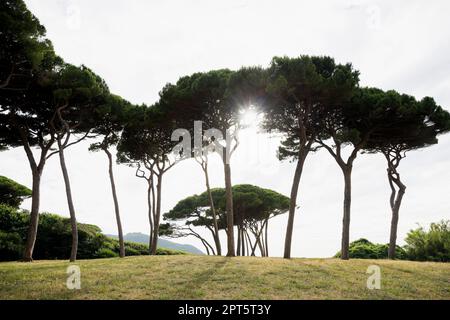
213	211
73	220
250	251
116	204
394	224
261	247
395	202
150	215
257	233
206	247
34	216
36	170
229	209
154	245
345	244
293	202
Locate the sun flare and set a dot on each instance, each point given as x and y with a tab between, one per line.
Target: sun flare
249	117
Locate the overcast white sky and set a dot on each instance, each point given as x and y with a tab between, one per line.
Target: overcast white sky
138	46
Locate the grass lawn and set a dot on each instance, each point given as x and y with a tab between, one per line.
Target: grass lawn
203	277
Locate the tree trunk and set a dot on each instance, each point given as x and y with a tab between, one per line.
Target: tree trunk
238	245
73	220
347	171
250	251
293	202
246	242
116	205
261	247
242	241
266	245
150	216
206	247
395	216
154	245
34	216
257	233
213	211
229	209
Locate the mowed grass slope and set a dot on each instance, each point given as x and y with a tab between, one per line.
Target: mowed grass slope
200	277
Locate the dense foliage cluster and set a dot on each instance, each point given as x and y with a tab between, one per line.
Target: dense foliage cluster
54	238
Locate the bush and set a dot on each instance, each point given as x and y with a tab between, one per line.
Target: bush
11	247
106	253
165	251
364	249
54	238
432	245
134	248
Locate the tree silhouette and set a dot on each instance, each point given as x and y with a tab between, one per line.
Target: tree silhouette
299	90
111	119
351	124
77	93
253	207
411	125
146	143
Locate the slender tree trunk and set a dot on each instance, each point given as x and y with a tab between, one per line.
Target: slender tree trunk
257	233
243	242
34	216
395	216
265	238
250	251
116	204
73	220
150	216
206	247
36	171
293	202
347	171
261	247
154	245
238	250
229	209
213	211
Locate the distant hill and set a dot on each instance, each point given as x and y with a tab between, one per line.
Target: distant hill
162	243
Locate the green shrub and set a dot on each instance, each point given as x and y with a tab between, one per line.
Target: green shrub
54	238
364	249
13	219
431	245
134	248
165	251
106	253
11	247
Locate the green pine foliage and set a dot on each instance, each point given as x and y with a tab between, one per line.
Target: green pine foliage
12	193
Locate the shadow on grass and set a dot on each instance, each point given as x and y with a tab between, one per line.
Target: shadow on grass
193	287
